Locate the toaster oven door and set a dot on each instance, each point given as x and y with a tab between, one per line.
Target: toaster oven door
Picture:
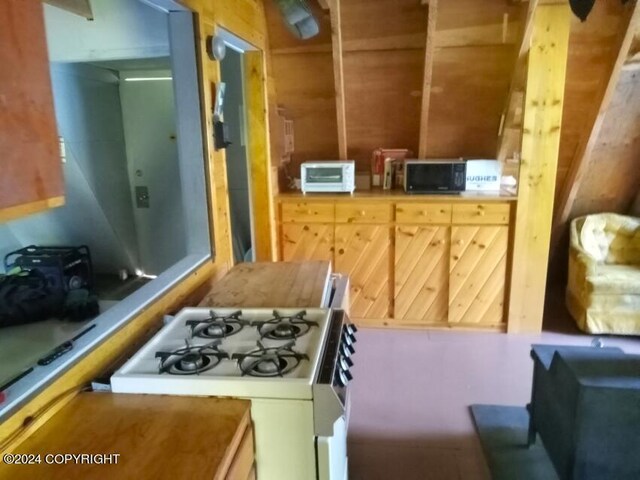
324	175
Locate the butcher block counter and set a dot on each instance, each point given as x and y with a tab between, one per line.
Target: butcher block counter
140	436
271	285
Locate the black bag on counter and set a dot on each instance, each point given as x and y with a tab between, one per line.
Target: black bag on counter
26	297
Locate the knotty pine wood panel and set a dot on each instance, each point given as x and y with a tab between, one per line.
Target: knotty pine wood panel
421	275
383	94
480	213
31	166
468	93
438	213
478	264
364	253
304	212
301	242
361	212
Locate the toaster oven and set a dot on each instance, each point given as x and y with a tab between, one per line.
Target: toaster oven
328	176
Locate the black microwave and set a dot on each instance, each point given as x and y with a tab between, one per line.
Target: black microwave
435	176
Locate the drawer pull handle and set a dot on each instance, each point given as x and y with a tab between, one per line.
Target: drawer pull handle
481	213
423	213
362	213
460	242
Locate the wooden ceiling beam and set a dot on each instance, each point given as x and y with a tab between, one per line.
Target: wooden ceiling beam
580	163
432	16
338	76
77	7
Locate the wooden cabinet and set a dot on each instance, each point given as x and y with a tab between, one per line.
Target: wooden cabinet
477	273
421	293
31	179
364	253
410	262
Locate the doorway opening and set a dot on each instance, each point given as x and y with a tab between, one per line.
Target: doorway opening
238	173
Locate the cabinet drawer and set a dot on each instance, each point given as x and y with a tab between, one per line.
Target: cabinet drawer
438	213
242	463
305	212
481	213
358	212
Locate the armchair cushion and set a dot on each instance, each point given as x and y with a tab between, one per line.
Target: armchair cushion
611	239
603	293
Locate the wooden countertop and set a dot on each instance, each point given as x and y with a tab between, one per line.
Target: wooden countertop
157	436
270	285
399	195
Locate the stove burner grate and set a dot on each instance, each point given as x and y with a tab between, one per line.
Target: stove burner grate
269	362
287	327
217	326
191	360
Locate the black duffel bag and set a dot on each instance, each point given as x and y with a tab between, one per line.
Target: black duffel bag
26	297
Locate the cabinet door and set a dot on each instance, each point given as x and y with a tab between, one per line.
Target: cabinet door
31	177
312	241
421	274
364	253
477	274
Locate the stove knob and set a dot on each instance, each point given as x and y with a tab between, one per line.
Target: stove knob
349	333
348	375
342	379
344	365
347	361
346	350
347	339
352	329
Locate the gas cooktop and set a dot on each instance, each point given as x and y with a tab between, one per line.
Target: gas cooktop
248	352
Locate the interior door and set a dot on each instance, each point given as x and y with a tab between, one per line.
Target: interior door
478	264
148	114
421	274
364	253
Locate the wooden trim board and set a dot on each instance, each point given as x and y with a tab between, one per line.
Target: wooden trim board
258	150
19	211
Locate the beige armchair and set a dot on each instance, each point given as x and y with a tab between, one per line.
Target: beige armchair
603	292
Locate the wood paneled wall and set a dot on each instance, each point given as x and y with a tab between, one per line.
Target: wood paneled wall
397	63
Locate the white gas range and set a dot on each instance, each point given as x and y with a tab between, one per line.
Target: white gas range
292	364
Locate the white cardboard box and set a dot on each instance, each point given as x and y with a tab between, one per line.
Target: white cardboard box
483	175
